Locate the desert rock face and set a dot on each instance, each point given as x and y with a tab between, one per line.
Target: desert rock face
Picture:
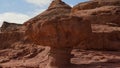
85	36
99	12
15	48
7	39
11	27
55	27
57	30
92	4
58	33
10	33
61	32
104	16
56	8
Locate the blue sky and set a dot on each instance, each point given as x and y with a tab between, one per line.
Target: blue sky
19	11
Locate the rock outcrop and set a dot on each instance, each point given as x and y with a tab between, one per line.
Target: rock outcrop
55	27
104	16
10	34
56	8
92	4
15	48
11	27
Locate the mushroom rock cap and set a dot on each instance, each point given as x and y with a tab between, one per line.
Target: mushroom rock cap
65	31
56	27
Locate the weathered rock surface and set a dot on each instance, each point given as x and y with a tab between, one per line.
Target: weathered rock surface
92	4
7	39
10	34
16	51
55	27
65	29
23	55
58	33
104	16
56	8
11	27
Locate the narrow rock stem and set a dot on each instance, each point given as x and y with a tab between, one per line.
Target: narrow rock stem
59	57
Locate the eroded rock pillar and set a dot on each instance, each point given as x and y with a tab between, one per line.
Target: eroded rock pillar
59	58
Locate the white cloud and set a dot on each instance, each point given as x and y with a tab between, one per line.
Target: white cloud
18	17
21	18
40	3
38	11
71	5
13	17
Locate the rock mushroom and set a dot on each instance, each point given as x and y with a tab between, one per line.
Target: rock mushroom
56	28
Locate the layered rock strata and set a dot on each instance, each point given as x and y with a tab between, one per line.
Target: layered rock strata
104	16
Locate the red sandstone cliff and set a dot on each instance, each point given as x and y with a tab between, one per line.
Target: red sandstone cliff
10	34
14	46
104	16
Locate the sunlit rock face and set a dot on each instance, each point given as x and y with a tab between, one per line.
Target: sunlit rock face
93	4
57	28
60	30
104	16
99	11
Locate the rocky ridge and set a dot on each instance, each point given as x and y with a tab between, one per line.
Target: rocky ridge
6	27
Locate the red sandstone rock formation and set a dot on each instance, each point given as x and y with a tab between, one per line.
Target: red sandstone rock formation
7	39
11	27
62	29
104	16
14	48
10	34
55	27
